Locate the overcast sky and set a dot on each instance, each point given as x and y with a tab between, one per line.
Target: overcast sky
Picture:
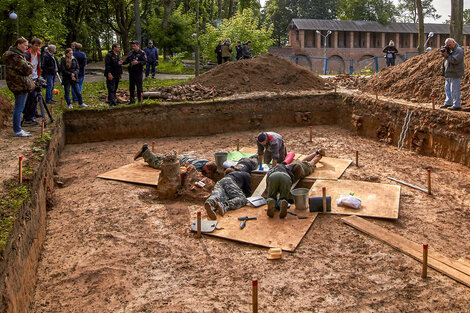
442	7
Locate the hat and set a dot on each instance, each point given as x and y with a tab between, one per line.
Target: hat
135	42
150	41
262	137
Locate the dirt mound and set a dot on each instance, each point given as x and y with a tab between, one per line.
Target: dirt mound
264	73
418	78
6	109
349	81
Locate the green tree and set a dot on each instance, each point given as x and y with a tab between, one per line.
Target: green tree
408	14
242	26
382	11
279	16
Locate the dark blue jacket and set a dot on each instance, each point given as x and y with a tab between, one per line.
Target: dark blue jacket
152	54
81	58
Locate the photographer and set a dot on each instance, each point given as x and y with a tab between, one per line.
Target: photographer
18	80
34	56
390	53
453	69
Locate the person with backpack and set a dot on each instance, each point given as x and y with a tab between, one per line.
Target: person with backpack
82	61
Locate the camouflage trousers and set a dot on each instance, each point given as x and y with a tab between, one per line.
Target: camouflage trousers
152	159
227	192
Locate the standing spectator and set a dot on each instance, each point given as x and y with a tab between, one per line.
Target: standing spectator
82	61
239	49
113	72
49	68
33	56
390	53
46	45
136	60
18	80
453	71
218	51
246	50
226	51
69	69
72	45
152	59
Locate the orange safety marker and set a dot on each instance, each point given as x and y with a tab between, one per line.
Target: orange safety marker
424	273
324	199
429	181
311	133
20	166
153	146
433	104
255	296
198	224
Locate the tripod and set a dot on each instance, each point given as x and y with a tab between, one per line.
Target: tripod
39	99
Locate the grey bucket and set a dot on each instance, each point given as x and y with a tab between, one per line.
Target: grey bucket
220	158
300	198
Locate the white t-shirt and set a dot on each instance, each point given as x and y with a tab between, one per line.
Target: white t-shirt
35	62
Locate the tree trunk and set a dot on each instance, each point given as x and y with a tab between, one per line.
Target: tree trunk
196	68
138	25
219	3
211	16
456	21
98	48
167	9
419	11
230	9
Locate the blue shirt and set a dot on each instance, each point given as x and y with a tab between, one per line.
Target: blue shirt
81	58
152	54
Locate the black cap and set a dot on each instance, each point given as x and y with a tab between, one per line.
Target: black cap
135	42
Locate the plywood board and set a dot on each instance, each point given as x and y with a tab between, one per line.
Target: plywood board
267	232
327	168
137	172
377	200
261	187
435	260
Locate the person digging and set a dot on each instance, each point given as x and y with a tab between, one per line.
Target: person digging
281	177
230	193
206	167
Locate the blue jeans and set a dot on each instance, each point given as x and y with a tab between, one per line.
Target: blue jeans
50	79
80	87
452	89
20	101
74	87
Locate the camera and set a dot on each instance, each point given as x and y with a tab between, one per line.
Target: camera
445	48
40	83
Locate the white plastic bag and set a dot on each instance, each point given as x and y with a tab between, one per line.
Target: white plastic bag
349	201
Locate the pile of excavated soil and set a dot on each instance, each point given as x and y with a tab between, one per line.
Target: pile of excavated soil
264	73
349	81
418	78
6	109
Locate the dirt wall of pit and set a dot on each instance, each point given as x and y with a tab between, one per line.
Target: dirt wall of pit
21	254
439	133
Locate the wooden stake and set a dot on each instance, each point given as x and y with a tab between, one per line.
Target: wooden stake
433	104
311	133
238	144
153	146
324	199
255	296
61	100
20	166
198	224
424	273
336	83
429	181
42	127
357	158
431	139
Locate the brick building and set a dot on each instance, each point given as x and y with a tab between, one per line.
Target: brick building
356	43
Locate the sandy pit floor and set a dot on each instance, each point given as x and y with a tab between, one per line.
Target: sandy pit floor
114	247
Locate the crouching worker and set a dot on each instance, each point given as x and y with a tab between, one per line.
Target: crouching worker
271	148
229	194
281	177
207	168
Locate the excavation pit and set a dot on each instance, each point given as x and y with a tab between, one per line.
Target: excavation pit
115	247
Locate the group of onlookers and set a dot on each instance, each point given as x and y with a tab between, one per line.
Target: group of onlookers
224	51
26	63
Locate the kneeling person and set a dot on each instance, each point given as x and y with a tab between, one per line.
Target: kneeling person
229	193
153	160
281	177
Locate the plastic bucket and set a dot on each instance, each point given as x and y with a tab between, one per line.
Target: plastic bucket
300	198
220	158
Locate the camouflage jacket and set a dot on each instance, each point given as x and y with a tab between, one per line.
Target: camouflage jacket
18	71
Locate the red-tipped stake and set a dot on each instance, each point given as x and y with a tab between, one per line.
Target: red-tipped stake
153	146
424	273
433	105
198	224
20	167
42	127
357	158
429	181
324	199
61	100
311	133
238	144
255	296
